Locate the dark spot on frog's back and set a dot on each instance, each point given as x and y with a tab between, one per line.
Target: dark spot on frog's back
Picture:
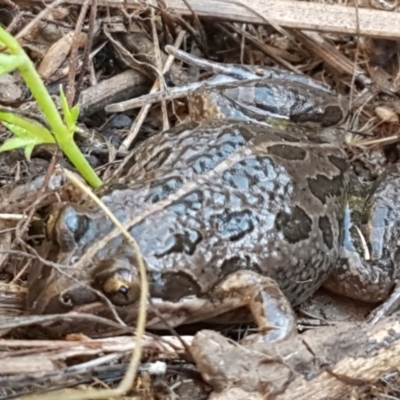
325	226
287	152
161	189
338	162
172	286
185	242
233	264
322	187
295	226
234	225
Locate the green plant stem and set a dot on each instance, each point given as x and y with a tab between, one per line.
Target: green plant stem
24	123
39	91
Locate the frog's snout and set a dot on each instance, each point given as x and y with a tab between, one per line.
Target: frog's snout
59	295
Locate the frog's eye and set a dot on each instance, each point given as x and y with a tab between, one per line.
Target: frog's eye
120	288
66	300
124	290
118	280
67	226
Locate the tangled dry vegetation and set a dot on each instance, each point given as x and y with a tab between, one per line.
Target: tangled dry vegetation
108	51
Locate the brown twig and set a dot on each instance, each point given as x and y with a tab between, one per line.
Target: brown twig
88	44
158	64
43	14
73	57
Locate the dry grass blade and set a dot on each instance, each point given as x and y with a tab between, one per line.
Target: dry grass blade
16	217
159	65
146	108
267	50
331	55
127	381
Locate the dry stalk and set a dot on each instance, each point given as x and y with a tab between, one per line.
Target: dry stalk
159	66
73	57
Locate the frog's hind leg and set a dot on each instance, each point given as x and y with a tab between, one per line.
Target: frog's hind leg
362	280
368	281
387	308
270	308
369	264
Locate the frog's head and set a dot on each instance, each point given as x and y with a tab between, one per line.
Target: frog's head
58	285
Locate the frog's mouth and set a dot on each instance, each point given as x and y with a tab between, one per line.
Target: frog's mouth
57	293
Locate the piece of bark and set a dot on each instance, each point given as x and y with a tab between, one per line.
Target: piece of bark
45	365
289	13
12	299
326	363
124	86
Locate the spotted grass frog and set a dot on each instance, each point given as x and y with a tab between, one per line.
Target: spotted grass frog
229	215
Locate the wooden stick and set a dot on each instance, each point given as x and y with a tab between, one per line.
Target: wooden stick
288	13
299	15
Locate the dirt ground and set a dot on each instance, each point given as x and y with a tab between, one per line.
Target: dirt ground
106	52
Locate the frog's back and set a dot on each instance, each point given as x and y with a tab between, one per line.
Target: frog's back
225	196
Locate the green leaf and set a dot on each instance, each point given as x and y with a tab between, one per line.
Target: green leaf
14	143
63	132
65	107
40	134
28	151
17	143
26	128
75	114
9	63
26	138
71	115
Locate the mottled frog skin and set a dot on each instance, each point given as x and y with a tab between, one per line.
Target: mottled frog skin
234	208
228	215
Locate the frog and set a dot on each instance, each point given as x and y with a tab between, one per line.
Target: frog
230	215
368	264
